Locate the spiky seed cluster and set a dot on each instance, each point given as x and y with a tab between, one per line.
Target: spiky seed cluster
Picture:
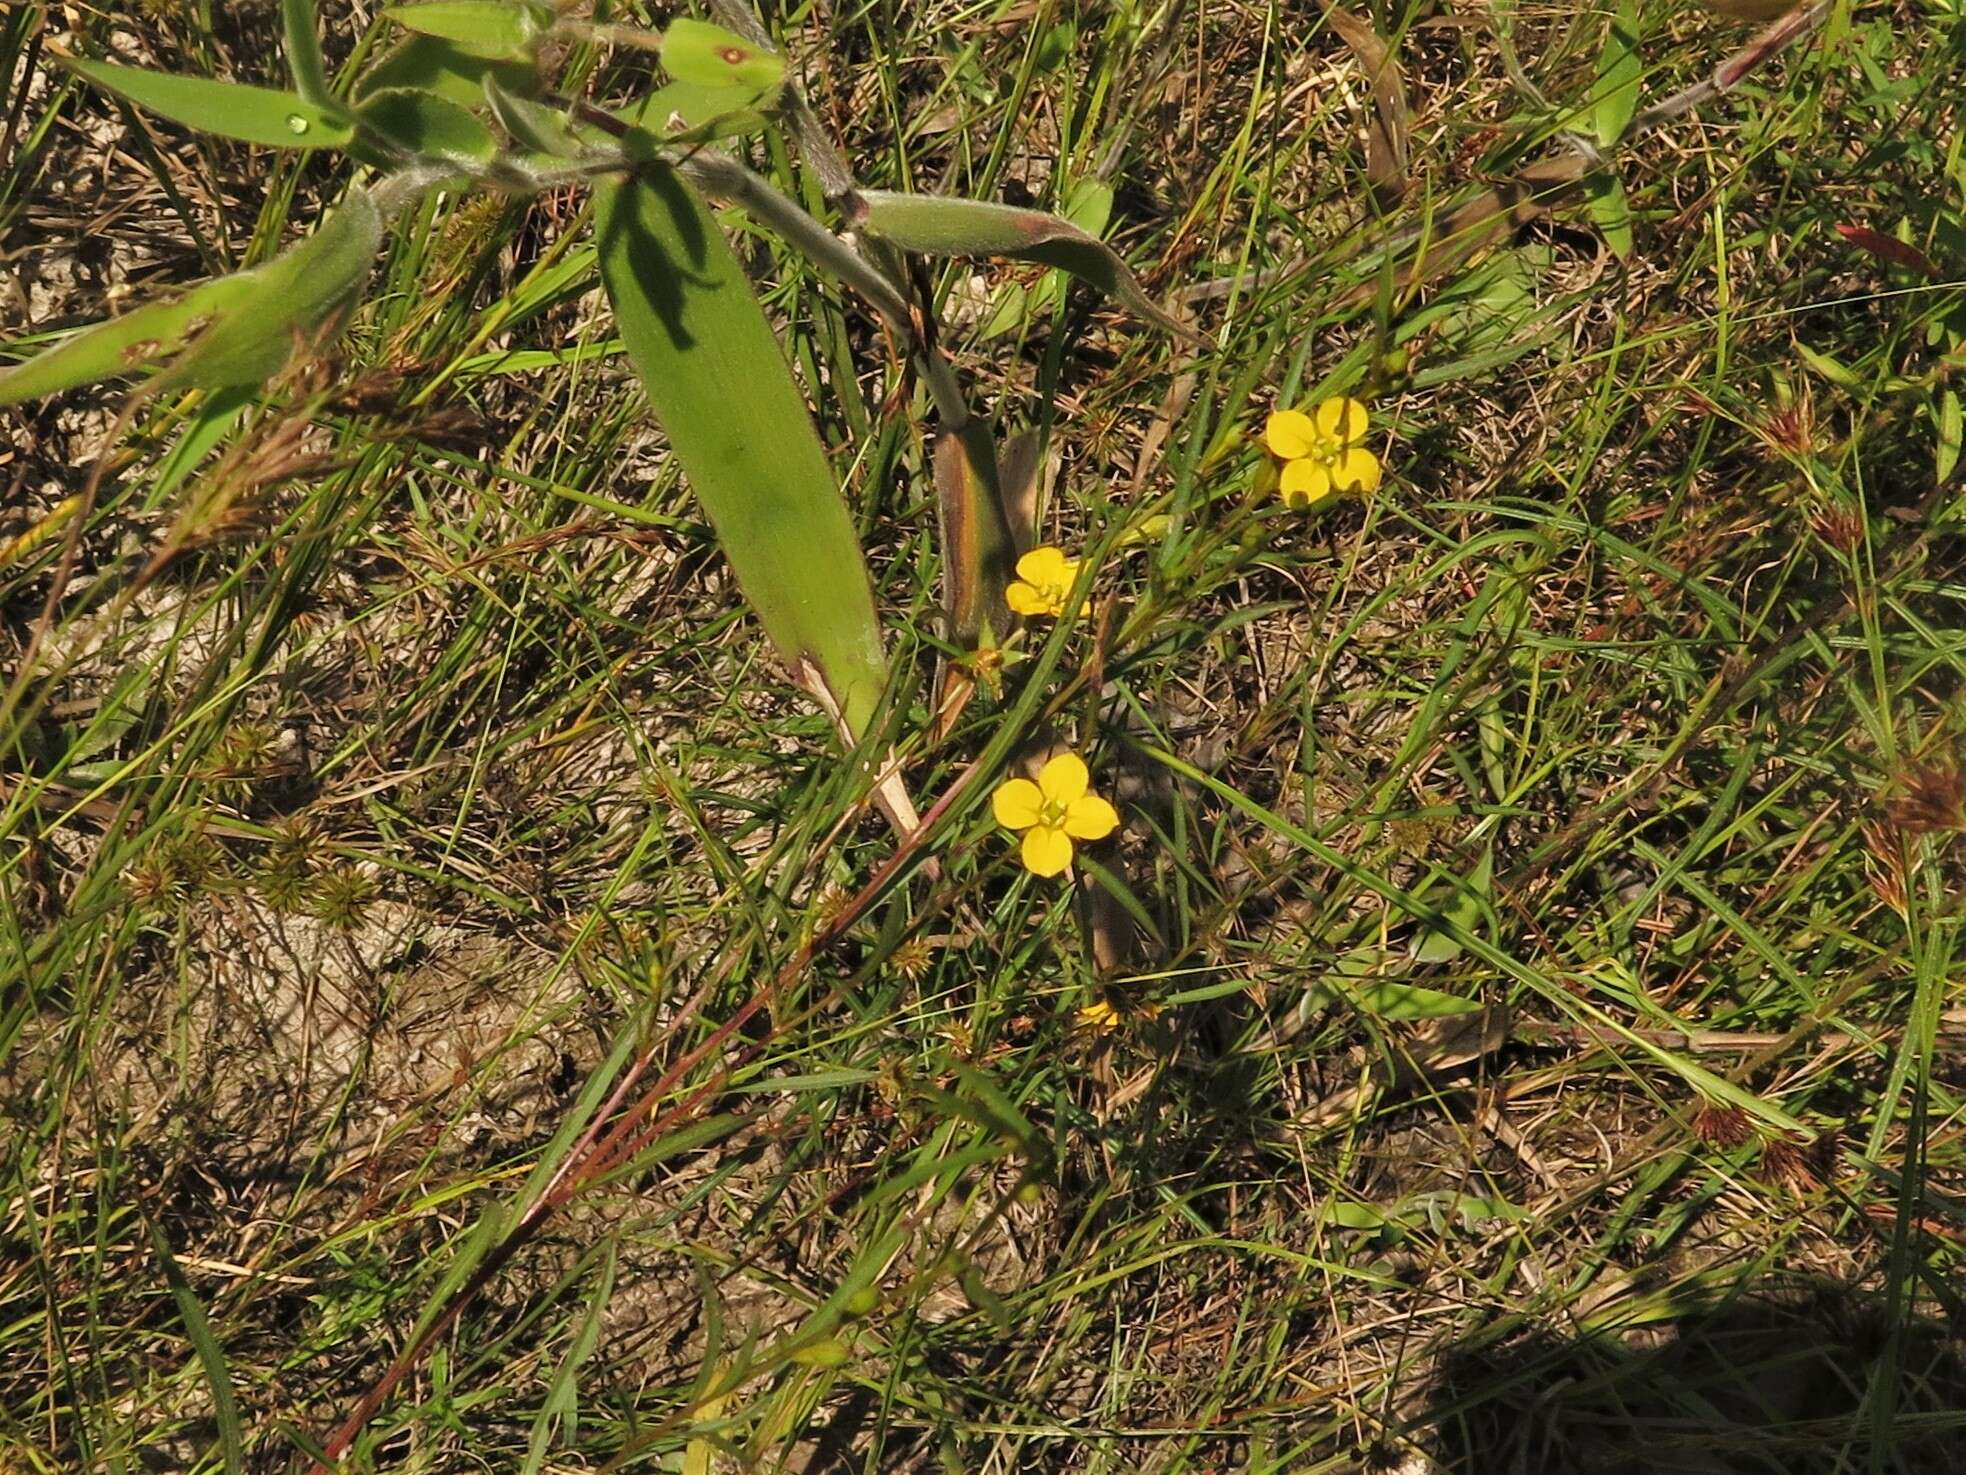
342	897
1931	798
1721	1126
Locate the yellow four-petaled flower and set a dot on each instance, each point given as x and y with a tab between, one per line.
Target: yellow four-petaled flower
1321	451
1105	1016
1053	812
1044	582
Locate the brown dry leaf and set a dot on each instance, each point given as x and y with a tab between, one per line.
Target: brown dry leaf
1387	133
1019	471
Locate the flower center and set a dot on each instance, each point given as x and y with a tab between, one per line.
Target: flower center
1051	814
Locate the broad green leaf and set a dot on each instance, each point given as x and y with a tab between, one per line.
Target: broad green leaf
301	31
940	226
432	64
256	114
1088	204
724	394
293	294
1604	195
233	331
1620	71
1362	977
291	297
426	126
696	51
491	29
1347	1214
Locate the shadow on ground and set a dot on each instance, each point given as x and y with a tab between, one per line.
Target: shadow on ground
1795	1382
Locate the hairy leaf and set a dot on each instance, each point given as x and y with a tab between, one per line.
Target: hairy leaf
432	64
532	125
690	112
426	125
236	330
293	294
938	225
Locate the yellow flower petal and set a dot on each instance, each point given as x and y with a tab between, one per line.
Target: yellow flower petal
1017	804
1089	817
1304	482
1289	434
1342	419
1101	1016
1064	779
1026	599
1046	851
1357	470
1046	565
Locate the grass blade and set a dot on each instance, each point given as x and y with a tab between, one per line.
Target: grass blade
191	1311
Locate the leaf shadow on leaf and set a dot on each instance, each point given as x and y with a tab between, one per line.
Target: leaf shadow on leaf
661	277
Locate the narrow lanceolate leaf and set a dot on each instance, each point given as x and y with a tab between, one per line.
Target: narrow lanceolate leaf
1620	71
256	114
292	296
723	391
129	344
426	126
237	330
940	226
301	33
492	29
696	51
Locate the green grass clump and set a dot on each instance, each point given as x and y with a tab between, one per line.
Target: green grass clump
1532	943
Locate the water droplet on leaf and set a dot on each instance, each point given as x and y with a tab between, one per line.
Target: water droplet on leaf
296	123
